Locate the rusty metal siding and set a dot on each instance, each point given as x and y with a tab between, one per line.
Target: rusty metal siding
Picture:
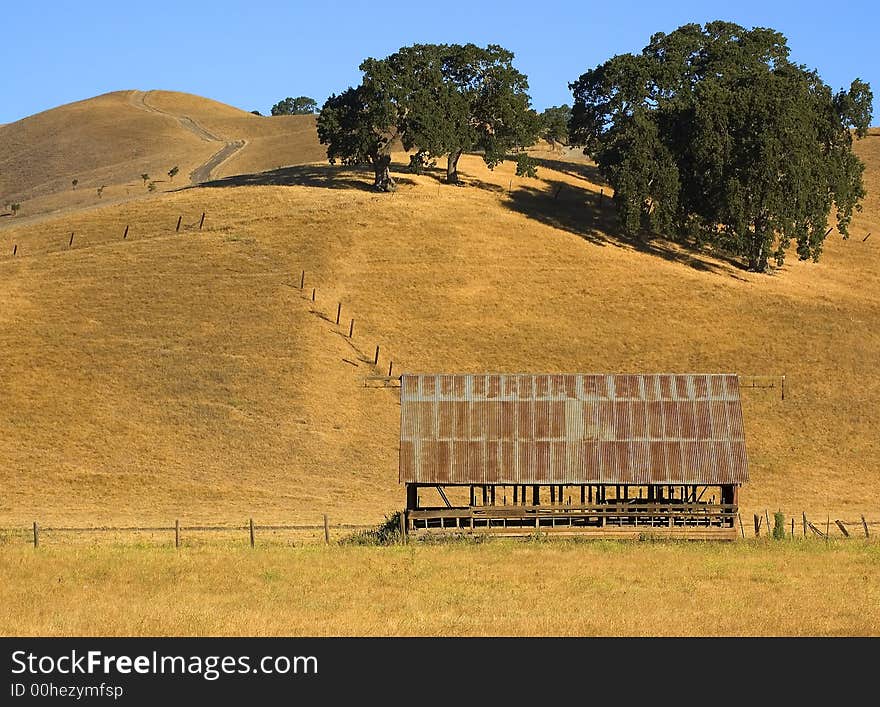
571	428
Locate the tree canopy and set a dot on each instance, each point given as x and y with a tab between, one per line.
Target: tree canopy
713	134
554	124
301	105
439	99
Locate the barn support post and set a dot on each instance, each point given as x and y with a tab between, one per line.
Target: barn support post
552	495
536	496
515	495
583	494
412	497
473	498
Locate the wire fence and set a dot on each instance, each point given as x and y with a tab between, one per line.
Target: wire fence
178	534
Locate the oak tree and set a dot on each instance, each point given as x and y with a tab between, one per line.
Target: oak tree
712	134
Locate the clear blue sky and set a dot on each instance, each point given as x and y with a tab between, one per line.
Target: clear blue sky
251	54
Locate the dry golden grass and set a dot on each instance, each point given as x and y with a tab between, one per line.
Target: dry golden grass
185	376
501	588
112	139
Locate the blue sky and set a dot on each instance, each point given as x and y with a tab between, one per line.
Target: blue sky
251	54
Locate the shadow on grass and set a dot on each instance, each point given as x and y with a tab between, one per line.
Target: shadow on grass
309	175
591	216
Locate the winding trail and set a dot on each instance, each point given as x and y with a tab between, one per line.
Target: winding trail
202	173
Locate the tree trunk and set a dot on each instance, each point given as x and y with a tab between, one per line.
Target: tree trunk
758	255
452	167
383	180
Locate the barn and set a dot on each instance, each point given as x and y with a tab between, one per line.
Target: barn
608	455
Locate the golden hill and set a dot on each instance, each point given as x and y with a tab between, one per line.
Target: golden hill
186	375
113	139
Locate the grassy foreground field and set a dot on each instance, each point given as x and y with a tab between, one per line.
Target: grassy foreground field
500	588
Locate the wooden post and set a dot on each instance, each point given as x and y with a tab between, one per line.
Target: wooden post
252	531
842	528
351	329
125	233
792	528
403	527
338	312
14	249
390	366
742	528
313	294
757	525
865	526
326	530
179	219
866	238
302	279
70	243
767	516
202	221
805	524
177	533
827	528
36	535
783	387
376	357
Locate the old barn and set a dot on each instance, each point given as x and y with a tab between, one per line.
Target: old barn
606	455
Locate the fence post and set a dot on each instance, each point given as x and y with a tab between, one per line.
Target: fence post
351	329
177	533
827	528
14	249
326	530
403	527
376	357
179	219
757	525
202	221
252	532
783	386
338	312
302	279
805	524
792	528
125	233
313	294
70	243
390	366
742	528
865	526
36	535
842	528
767	516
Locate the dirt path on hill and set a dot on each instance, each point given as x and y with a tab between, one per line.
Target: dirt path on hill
202	173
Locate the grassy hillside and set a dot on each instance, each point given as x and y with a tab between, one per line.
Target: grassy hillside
185	375
112	139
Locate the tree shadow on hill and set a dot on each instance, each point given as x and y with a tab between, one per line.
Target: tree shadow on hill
309	175
579	170
591	216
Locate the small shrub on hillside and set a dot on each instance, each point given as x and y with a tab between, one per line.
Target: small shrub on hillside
388	533
525	166
419	162
778	526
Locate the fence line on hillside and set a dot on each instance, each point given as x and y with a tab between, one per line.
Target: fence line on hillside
36	533
803	526
805	529
68	242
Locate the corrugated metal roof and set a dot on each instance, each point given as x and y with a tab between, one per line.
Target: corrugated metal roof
571	429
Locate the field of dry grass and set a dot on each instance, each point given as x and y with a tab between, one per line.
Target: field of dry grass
502	588
112	139
185	375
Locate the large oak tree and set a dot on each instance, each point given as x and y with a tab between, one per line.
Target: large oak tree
441	100
712	133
